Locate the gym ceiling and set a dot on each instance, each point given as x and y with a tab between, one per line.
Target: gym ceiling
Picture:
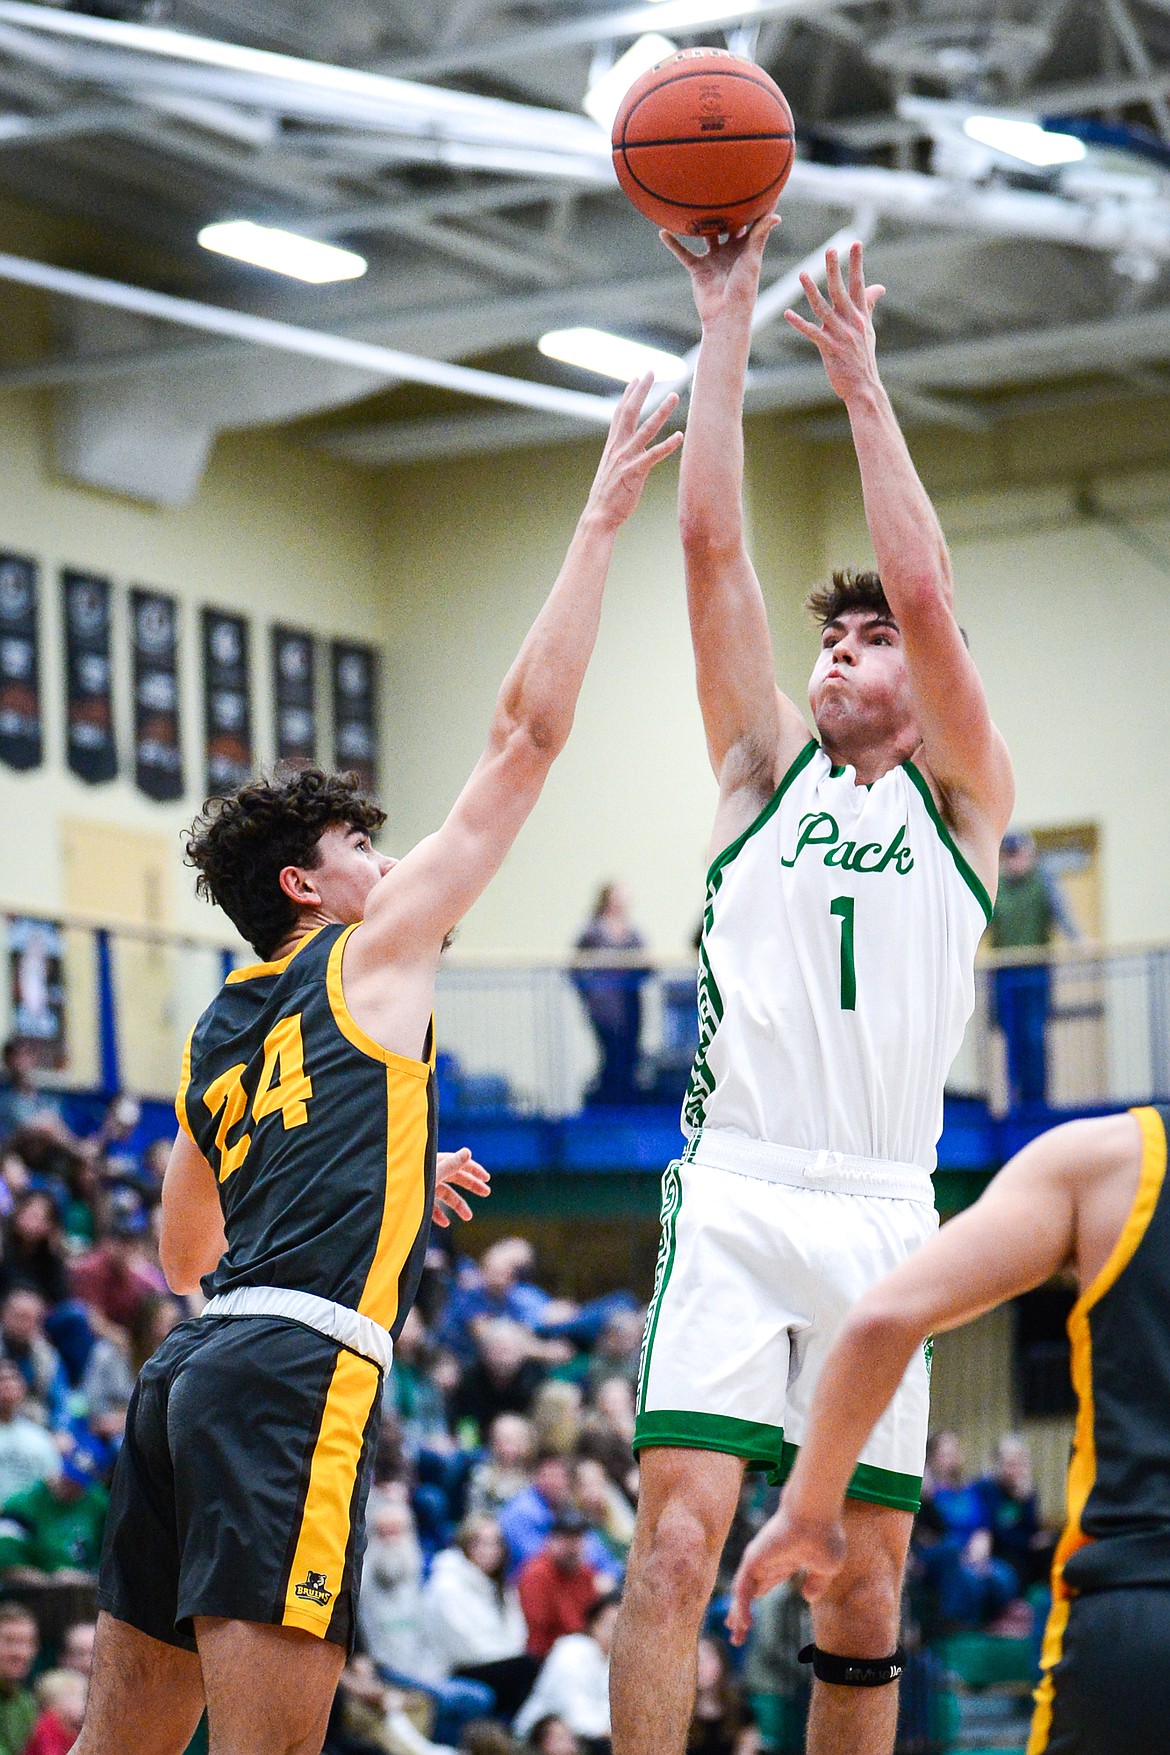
445	142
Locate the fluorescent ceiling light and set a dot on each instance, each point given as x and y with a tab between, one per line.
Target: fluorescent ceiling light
1024	140
611	356
603	100
267	246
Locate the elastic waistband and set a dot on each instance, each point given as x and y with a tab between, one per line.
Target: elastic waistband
831	1172
361	1334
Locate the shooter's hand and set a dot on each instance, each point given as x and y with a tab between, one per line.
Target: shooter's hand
785	1545
457	1170
725	277
845	338
629	453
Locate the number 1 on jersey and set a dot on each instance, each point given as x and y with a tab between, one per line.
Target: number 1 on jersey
842	907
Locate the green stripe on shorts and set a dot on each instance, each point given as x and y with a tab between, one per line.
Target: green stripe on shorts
870	1484
671	1202
761	1446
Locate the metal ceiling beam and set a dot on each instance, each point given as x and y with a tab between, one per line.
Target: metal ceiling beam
386	362
678	17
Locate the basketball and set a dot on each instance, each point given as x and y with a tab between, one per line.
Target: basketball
703	142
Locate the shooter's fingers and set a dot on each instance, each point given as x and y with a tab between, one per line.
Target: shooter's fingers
688	258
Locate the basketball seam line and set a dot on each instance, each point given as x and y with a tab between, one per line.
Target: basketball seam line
699	140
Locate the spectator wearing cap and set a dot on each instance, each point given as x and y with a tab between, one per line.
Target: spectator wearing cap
558	1587
527	1520
116	1277
27	1453
18	1653
24	1341
573	1684
53	1530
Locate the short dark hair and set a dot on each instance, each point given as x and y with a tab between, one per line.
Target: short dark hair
849	592
241	843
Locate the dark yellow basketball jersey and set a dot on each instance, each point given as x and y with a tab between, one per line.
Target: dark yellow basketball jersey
1118	1529
322	1141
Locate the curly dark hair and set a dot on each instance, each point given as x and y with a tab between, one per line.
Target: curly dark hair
240	844
849	592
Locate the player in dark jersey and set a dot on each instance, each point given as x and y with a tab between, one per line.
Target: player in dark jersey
1091	1197
299	1194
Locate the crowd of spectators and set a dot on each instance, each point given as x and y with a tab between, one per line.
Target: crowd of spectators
502	1512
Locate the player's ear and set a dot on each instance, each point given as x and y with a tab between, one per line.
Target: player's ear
299	886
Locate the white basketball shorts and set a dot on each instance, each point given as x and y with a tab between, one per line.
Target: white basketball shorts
755	1278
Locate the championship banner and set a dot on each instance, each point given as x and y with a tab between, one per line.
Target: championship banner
227	700
158	754
355	740
36	973
21	738
294	681
89	710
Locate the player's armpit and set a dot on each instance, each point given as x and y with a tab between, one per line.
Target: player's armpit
191	1240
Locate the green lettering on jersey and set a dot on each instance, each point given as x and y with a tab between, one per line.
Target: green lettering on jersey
819	829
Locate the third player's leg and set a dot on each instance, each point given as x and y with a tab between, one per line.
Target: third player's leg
859	1617
143	1694
686	1502
269	1689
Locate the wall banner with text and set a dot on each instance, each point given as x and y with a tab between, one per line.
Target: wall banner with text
158	751
355	740
294	683
227	700
90	749
21	736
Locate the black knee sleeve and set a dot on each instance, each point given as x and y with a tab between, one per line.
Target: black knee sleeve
849	1672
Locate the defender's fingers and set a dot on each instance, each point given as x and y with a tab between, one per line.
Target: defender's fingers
873	294
856	274
658	416
834	285
818	303
454	1203
475	1182
803	325
665	448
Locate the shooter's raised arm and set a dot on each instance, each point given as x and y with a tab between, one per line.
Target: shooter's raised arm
967	757
752	731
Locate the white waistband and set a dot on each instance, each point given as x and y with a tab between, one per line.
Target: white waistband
361	1334
832	1172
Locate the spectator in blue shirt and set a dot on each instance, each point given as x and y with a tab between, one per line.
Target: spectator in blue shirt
527	1520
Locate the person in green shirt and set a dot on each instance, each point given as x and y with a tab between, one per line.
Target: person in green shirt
53	1529
1029	910
19	1641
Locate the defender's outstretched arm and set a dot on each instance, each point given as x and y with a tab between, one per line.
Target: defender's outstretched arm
428	892
1018	1234
752	730
966	754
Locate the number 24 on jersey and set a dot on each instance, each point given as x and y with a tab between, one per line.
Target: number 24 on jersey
284	1089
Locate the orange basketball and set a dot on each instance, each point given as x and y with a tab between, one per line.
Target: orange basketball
703	143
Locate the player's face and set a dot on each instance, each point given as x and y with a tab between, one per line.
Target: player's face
348	866
859	690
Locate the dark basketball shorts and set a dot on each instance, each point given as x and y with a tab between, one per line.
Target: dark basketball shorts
1109	1692
241	1484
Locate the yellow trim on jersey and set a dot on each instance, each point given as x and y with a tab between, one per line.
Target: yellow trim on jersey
1082	1471
404	1210
250	972
326	1521
352	1030
184	1087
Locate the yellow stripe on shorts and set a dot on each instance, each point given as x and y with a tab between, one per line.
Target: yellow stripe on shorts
319	1561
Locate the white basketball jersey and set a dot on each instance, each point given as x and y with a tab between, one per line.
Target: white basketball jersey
836	969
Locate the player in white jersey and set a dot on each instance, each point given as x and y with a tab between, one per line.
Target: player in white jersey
851	881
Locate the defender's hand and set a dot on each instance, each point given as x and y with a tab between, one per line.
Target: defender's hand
457	1170
726	276
844	339
785	1545
629	453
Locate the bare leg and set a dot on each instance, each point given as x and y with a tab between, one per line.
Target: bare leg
858	1617
686	1502
269	1689
143	1695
